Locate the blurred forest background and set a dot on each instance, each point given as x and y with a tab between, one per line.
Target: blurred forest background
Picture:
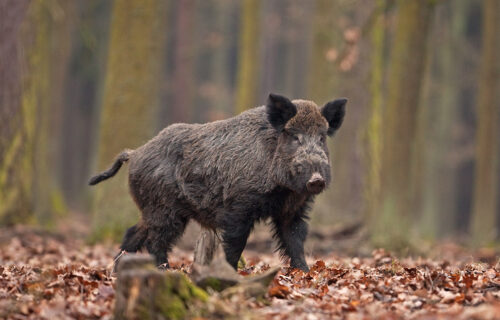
416	160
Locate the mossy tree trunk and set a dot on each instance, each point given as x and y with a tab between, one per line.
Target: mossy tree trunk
439	198
63	25
129	104
321	81
323	85
301	13
322	78
248	53
16	121
182	78
82	89
35	103
29	188
220	66
392	225
485	199
52	26
374	128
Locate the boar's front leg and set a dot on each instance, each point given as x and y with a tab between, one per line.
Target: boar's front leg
291	236
235	230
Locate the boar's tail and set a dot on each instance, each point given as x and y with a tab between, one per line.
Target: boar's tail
122	157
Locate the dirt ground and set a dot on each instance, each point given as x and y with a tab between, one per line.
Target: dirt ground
58	276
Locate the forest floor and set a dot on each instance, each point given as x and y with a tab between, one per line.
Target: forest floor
58	276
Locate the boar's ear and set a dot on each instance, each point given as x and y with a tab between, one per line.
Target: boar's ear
334	112
279	110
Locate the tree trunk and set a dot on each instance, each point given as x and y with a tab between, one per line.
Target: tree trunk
485	200
439	197
374	131
325	48
248	52
143	292
183	64
392	225
322	86
220	66
321	80
130	99
29	188
16	121
53	25
82	90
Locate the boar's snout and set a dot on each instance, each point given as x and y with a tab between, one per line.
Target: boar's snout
316	184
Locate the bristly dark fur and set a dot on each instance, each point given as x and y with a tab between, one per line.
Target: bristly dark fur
262	164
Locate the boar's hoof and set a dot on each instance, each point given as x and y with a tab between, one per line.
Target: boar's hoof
304	268
301	266
163	266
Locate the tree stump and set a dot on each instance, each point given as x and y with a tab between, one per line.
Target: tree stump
220	276
143	292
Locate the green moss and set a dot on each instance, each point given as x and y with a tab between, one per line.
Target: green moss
198	293
171	306
181	286
213	283
178	294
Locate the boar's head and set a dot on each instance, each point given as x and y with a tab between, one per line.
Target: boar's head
301	161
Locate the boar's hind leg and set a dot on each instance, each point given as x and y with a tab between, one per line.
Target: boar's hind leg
162	238
291	237
134	238
234	237
132	242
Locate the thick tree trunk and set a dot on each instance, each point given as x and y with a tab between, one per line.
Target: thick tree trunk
323	73
322	86
53	25
374	131
29	189
130	99
440	184
392	225
248	52
183	63
16	121
82	90
220	66
486	171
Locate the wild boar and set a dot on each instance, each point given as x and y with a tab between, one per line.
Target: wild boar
267	163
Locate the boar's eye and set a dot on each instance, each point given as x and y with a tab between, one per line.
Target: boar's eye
322	139
293	137
296	139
